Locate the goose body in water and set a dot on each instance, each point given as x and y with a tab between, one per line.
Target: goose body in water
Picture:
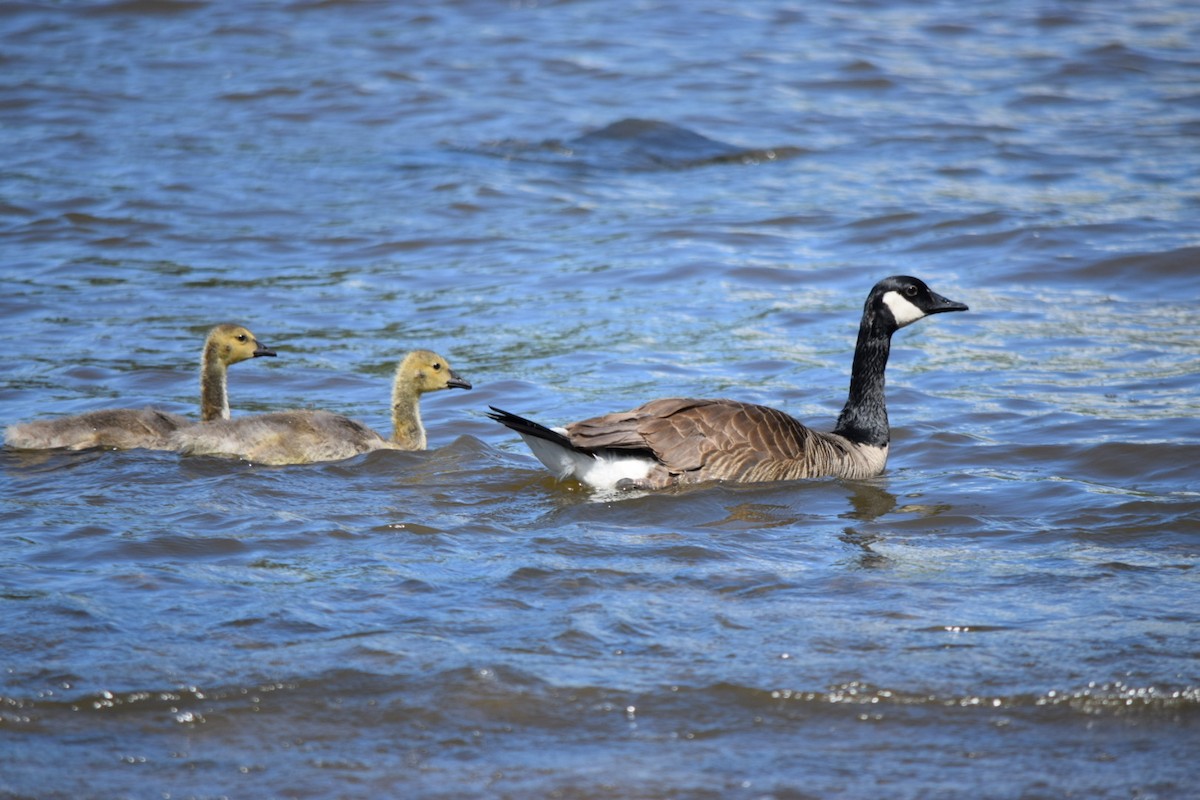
150	428
685	440
306	436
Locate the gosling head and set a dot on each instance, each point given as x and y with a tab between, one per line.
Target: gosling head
233	343
902	300
426	371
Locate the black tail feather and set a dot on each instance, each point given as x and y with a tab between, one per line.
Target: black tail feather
529	427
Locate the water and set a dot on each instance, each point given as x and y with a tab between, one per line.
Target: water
584	206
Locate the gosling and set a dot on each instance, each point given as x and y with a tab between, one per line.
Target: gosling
307	437
148	428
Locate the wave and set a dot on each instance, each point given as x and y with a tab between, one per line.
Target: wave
640	144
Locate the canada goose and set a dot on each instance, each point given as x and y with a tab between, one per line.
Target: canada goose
304	437
681	440
127	428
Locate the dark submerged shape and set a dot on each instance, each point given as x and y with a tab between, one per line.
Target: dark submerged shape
685	440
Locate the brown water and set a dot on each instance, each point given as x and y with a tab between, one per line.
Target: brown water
586	205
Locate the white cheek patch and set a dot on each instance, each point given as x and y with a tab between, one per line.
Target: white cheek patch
904	311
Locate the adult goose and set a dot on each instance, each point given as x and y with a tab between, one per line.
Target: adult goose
306	436
128	428
684	440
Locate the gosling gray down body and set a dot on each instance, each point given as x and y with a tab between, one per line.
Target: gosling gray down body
676	441
309	436
148	428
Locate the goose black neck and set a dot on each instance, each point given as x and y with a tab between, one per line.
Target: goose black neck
864	418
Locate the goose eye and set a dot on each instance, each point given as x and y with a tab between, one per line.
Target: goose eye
911	291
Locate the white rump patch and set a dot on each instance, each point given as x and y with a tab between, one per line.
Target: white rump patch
600	471
902	309
607	471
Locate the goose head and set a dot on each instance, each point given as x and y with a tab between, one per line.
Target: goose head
231	344
902	300
426	371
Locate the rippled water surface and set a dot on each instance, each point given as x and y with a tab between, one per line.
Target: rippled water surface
586	205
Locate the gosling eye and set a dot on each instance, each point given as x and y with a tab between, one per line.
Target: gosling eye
436	366
911	291
241	337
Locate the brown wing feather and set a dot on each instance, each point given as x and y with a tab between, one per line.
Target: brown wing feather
704	439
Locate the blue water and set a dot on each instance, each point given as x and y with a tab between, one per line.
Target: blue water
586	205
